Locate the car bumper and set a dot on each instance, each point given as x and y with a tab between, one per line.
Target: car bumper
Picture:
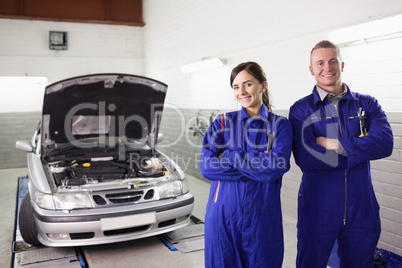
110	225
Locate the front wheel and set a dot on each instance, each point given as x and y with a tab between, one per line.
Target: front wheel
28	229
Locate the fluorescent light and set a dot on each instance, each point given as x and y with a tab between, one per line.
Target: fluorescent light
385	28
203	65
384	37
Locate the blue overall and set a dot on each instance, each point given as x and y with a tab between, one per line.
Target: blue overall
243	221
336	199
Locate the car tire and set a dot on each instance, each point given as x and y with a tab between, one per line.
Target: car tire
26	221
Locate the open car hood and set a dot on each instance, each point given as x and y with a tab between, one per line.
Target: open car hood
101	107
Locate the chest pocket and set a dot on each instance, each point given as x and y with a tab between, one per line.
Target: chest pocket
353	126
325	126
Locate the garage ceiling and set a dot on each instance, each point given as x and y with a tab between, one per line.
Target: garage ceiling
120	12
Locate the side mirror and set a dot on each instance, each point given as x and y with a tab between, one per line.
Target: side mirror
24	146
160	137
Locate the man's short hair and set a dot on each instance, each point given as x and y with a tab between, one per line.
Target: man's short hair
326	44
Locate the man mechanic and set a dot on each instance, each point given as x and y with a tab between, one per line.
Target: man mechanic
337	133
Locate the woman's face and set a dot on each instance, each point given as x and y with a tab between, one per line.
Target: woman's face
248	91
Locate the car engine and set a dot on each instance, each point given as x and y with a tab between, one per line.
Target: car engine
100	170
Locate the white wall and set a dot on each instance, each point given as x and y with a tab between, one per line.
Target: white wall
376	69
278	35
92	48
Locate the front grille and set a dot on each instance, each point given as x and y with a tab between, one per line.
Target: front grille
125	197
149	194
99	200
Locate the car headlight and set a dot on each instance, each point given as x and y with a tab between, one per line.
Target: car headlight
173	189
185	187
44	200
72	200
63	200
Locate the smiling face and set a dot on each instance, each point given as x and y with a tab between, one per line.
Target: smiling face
326	66
248	92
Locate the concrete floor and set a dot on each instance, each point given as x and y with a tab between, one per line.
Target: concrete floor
148	252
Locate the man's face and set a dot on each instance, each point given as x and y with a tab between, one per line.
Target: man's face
326	66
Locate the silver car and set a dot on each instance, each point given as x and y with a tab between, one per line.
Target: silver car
95	175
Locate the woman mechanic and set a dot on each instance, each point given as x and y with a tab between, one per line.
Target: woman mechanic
245	154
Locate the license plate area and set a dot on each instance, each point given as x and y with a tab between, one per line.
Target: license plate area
128	221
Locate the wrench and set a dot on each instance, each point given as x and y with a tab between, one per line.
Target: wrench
362	121
271	138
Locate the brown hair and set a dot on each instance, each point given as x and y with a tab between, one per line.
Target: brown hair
258	73
326	44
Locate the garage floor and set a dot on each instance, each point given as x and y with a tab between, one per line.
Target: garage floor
148	252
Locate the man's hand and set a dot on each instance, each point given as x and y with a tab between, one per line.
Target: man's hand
327	143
